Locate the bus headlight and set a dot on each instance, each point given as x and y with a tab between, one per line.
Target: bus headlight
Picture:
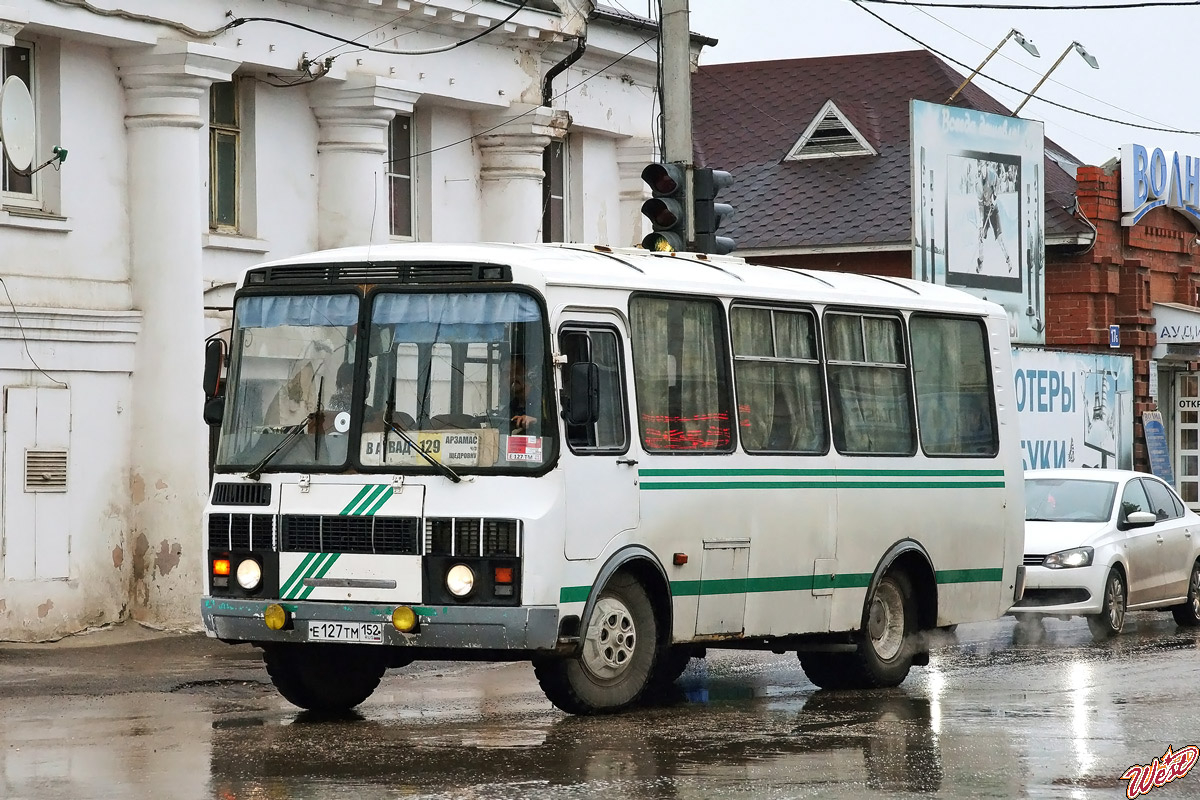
249	574
460	580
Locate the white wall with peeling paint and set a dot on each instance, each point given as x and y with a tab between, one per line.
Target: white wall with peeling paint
114	277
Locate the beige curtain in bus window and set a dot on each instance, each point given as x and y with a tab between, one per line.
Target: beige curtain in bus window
869	392
954	397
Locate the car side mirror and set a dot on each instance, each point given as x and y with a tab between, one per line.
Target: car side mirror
583	393
214	367
1140	519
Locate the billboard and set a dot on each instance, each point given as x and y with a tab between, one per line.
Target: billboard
1074	409
978	215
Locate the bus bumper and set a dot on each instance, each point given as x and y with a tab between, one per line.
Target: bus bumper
443	627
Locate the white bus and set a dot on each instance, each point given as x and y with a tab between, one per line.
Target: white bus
604	462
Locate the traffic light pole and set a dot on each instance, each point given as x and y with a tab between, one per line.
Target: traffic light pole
677	93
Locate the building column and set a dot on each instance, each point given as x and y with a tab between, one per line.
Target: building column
165	90
511	171
353	203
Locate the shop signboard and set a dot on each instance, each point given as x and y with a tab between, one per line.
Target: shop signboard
1074	409
1156	446
978	209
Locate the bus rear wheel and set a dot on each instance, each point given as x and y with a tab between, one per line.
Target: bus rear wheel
327	678
886	642
616	657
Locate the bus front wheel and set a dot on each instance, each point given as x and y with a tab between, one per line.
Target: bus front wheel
616	657
328	678
886	642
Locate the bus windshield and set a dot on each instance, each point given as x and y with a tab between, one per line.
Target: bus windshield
287	359
463	376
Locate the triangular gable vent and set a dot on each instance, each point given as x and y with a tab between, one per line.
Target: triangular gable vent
830	135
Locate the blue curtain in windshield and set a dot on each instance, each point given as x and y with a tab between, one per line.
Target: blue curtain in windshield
477	317
320	310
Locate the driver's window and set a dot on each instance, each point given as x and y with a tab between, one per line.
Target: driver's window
1160	499
602	347
1134	499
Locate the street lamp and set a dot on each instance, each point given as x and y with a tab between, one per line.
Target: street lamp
1078	48
1013	34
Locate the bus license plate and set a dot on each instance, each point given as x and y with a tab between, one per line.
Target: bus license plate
361	632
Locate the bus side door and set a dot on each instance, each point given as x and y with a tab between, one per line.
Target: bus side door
599	469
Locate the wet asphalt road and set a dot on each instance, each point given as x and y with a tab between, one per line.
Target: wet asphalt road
129	713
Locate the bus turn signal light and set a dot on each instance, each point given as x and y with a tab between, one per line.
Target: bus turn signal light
504	574
220	566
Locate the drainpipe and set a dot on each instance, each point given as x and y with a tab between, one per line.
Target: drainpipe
553	72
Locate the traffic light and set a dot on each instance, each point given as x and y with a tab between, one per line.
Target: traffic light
708	214
667	209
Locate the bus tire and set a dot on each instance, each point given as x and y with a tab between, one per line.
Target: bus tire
616	658
886	642
327	678
672	661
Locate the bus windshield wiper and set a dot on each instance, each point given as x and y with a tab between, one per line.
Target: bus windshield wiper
290	435
390	425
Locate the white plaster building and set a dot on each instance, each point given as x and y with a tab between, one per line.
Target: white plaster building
194	153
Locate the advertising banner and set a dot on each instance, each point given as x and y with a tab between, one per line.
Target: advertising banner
978	215
1074	409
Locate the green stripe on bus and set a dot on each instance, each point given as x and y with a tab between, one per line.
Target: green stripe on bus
297	575
363	492
789	583
914	484
383	496
914	473
970	575
297	588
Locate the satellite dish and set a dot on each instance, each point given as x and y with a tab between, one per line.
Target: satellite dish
16	123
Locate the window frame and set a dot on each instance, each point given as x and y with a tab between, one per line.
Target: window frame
994	446
393	176
725	394
215	163
31	199
551	201
581	327
906	367
817	361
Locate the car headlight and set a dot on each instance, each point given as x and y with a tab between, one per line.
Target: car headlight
249	574
1076	557
460	580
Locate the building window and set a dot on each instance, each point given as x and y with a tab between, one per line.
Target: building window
224	125
554	189
399	175
17	62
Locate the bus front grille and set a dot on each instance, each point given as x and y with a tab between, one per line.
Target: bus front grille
241	531
305	533
472	536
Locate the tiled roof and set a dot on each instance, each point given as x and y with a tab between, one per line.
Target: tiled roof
746	117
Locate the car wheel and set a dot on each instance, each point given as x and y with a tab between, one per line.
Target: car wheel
1111	619
1188	613
616	658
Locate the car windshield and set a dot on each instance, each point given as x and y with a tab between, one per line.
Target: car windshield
291	357
1069	499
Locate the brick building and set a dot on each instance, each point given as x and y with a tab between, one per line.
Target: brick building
821	153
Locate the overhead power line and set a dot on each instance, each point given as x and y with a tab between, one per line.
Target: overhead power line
1044	7
969	69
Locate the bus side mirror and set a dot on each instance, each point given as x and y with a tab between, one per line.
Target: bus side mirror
214	365
583	393
214	410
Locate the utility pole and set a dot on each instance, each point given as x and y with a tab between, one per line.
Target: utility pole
677	81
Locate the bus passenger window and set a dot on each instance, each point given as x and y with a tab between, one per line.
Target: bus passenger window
954	389
602	347
870	392
681	375
781	408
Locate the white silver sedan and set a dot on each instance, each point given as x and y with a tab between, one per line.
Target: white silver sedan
1099	542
